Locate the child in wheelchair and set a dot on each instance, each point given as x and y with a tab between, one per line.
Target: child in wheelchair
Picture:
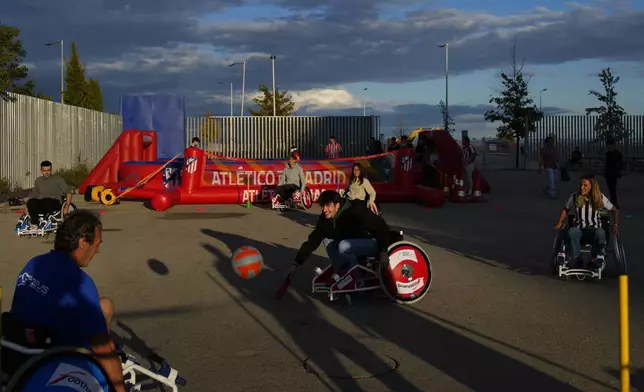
588	226
291	181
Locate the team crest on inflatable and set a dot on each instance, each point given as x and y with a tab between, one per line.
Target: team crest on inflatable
406	162
408	276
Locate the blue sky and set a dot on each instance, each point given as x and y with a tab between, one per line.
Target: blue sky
329	51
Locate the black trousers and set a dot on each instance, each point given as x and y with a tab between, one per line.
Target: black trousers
286	191
611	183
43	207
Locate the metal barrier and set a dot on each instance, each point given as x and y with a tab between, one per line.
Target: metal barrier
33	130
271	137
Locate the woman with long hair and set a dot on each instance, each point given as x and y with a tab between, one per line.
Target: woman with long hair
360	189
586	206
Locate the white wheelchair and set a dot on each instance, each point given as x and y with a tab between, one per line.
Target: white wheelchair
47	224
612	253
31	362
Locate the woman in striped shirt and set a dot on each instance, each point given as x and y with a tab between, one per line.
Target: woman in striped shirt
586	206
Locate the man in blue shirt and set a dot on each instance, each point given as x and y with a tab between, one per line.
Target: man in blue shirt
54	292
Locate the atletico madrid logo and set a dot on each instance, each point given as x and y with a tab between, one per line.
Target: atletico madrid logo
191	165
406	163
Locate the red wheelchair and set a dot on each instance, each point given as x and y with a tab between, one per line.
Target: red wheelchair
406	278
302	200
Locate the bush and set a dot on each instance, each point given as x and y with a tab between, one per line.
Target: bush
5	186
75	176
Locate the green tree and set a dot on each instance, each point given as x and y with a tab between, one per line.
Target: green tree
283	103
514	107
12	54
448	122
76	91
29	89
610	124
95	96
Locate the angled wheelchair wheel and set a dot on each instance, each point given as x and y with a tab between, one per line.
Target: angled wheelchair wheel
65	368
408	275
307	198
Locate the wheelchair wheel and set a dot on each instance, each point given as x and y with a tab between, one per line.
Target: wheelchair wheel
67	368
408	275
307	198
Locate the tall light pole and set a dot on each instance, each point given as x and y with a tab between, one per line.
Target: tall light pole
62	68
364	103
243	64
540	92
446	46
274	89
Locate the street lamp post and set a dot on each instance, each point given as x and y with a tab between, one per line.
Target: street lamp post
274	89
243	64
62	68
446	46
540	101
364	103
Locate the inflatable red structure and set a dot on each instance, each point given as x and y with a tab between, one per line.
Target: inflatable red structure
198	179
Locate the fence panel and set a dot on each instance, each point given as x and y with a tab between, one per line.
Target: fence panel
271	137
33	130
579	131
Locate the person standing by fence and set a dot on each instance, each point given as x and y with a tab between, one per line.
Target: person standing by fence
333	149
469	157
613	169
549	160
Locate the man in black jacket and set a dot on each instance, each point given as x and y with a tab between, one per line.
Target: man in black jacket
347	231
613	169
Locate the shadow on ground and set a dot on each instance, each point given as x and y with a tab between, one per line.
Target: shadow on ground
470	363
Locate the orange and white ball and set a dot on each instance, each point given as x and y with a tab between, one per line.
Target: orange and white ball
247	262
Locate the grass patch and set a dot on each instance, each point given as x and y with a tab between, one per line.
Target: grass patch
5	186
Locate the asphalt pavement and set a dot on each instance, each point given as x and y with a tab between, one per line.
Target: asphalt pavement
495	319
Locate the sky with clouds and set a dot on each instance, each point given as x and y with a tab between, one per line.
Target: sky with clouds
329	51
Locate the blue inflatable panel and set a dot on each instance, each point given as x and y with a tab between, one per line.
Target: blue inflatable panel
163	113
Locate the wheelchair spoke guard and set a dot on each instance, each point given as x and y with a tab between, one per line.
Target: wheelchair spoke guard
68	369
408	276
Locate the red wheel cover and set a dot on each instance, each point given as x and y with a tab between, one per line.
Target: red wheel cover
306	198
409	274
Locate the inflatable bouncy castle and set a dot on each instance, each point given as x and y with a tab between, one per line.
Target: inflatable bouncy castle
131	170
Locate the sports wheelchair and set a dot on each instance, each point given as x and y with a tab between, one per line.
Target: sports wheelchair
561	262
47	224
299	200
405	279
30	361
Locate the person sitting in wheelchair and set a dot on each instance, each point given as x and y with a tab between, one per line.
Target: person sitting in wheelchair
586	206
360	189
54	293
292	179
348	232
46	196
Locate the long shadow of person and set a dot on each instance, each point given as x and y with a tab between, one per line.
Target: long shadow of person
314	335
470	363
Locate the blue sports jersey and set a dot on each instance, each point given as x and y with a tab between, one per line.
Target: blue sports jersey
53	291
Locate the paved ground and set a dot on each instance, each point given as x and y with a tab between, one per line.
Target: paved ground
495	320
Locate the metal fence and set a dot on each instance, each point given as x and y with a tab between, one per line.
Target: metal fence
569	132
33	130
271	137
579	131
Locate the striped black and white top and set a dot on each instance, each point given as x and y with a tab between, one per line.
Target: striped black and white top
585	217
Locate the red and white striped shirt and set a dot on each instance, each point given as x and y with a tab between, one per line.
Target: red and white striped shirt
469	154
333	151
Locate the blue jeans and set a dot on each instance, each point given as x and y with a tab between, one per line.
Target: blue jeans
346	252
596	237
550	185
